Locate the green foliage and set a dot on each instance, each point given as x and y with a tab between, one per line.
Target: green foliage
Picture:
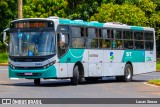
8	12
44	8
82	9
3	57
132	12
155	22
157	2
147	6
158	66
129	14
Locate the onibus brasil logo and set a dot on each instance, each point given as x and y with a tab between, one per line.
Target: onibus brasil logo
111	56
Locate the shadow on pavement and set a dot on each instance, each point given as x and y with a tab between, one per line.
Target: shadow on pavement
62	83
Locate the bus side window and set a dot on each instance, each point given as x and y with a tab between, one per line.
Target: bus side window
128	44
92	40
113	34
138	35
109	34
104	39
78	37
63	43
119	44
104	43
148	40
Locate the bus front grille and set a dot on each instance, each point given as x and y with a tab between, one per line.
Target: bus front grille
29	68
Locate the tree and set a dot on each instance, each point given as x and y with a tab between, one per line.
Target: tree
8	12
155	23
147	6
82	9
44	8
128	14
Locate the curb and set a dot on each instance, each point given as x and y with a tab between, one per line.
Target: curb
3	64
152	85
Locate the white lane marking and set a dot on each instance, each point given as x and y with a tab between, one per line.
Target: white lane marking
151	85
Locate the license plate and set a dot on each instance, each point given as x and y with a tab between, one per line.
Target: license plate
28	73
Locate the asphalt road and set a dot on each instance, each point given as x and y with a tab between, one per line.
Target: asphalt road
106	88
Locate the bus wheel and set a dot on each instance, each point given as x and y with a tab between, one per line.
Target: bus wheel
128	73
74	79
37	81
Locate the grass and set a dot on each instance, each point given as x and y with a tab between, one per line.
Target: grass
155	82
158	66
3	57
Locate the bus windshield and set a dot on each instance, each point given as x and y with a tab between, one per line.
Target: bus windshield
32	43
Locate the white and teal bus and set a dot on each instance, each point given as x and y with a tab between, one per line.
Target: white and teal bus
56	48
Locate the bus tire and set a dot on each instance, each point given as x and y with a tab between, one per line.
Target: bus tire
127	74
37	81
74	79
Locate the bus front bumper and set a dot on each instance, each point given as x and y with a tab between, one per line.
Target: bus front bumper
49	72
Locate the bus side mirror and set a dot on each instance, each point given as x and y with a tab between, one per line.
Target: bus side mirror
4	36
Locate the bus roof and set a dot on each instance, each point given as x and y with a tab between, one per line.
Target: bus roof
124	26
24	19
108	24
80	22
92	23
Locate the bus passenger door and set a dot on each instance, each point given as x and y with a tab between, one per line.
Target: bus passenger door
63	44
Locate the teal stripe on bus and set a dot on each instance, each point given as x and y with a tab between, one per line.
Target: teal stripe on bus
72	56
82	23
136	28
133	56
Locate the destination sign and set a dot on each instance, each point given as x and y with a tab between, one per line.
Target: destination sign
31	24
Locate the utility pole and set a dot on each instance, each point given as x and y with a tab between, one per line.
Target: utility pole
20	14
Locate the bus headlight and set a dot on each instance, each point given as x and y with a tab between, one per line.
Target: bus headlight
49	64
12	66
44	67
